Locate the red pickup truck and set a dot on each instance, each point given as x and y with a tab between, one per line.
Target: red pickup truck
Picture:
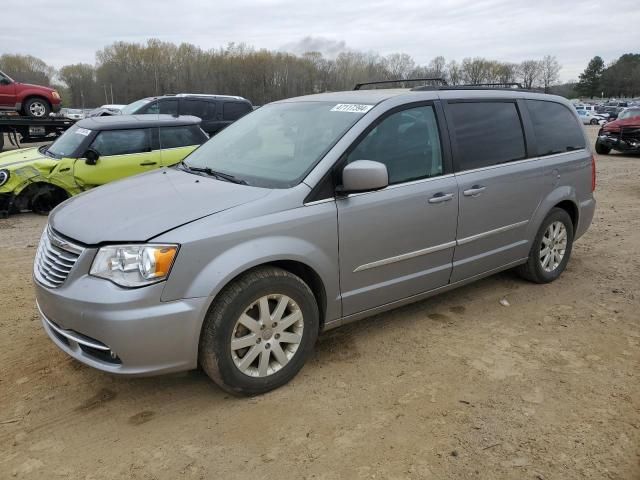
30	100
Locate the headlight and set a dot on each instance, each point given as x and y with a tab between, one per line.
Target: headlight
134	265
4	176
55	95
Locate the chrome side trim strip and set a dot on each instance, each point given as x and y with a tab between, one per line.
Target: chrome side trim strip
405	256
437	248
478	236
71	335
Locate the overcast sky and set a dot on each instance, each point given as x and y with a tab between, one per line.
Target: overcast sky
66	31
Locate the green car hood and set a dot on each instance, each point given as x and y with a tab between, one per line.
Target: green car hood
21	158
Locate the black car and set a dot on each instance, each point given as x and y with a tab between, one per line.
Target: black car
216	111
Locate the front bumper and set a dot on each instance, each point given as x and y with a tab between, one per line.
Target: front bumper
621	142
55	108
121	331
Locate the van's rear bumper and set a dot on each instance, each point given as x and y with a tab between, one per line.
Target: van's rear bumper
587	210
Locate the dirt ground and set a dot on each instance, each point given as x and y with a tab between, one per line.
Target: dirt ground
456	387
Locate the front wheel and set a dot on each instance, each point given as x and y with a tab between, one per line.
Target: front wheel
37	108
551	248
259	332
602	149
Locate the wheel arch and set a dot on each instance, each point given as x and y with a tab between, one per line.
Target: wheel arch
563	197
24	195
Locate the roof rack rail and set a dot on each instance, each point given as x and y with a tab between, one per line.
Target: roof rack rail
497	85
442	81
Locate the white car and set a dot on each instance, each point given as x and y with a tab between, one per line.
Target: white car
591	118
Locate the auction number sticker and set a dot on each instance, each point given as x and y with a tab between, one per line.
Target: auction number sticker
83	131
352	108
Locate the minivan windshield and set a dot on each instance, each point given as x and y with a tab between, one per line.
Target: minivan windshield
135	106
68	143
277	145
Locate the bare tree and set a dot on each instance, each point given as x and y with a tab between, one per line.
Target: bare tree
549	72
454	73
530	71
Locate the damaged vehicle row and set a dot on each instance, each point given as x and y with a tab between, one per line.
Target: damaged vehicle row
93	152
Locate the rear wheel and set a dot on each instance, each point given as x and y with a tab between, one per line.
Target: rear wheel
37	108
594	121
259	332
551	248
602	149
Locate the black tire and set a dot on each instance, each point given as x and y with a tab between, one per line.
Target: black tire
42	112
602	149
533	269
215	354
593	121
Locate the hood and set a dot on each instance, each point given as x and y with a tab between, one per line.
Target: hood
20	157
617	124
35	86
142	207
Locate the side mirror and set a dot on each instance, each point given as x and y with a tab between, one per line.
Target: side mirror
91	157
364	176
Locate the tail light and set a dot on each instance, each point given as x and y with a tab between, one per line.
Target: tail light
593	172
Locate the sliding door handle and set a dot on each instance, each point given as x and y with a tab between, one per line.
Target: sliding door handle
441	197
474	190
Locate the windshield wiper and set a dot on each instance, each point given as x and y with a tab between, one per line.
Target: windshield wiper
45	151
212	173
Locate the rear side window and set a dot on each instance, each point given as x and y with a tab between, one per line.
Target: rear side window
199	108
487	133
555	127
175	137
235	110
122	142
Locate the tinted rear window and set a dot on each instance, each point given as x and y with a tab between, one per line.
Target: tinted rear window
199	108
235	110
487	133
555	127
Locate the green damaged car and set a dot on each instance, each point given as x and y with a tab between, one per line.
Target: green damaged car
93	152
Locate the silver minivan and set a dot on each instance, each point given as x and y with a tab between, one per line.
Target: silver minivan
307	214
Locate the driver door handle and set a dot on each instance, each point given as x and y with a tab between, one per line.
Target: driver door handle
441	197
474	190
145	164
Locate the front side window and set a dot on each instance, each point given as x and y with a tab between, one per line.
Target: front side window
122	142
175	137
555	127
407	142
487	133
277	145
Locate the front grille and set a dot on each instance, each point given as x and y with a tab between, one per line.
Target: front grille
55	258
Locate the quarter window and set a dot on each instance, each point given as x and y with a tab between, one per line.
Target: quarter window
555	127
122	142
407	142
487	133
174	137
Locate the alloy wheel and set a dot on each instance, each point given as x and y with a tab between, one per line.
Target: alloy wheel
553	246
267	335
37	109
